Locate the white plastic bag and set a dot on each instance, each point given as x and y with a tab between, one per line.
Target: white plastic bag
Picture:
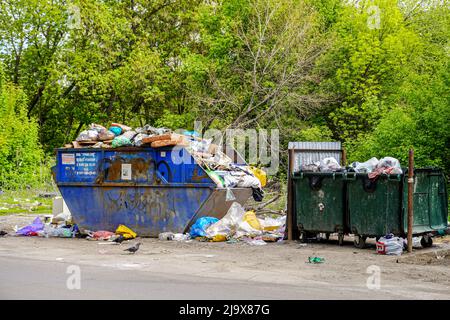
329	165
392	246
365	167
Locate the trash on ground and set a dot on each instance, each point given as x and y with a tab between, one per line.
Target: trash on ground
198	229
100	235
238	224
31	229
254	241
126	232
390	245
316	260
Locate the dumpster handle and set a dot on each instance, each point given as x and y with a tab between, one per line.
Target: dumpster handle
396	178
350	176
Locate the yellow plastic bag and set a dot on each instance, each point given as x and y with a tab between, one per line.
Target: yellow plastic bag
260	174
219	238
126	232
252	220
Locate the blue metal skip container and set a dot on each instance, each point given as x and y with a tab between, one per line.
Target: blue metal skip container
149	190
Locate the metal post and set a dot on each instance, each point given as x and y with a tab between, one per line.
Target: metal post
290	191
410	199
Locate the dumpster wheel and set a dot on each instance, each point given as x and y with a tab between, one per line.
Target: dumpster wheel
341	239
360	241
426	241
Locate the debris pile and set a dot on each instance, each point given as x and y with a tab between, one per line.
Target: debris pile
373	167
237	225
218	165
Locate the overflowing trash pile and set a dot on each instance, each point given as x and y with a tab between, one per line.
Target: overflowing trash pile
218	165
237	225
373	167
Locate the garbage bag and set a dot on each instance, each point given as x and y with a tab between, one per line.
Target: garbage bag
389	162
137	140
365	167
272	224
260	175
105	135
121	141
126	232
228	224
32	228
129	134
116	130
258	194
390	245
198	229
252	220
329	165
88	135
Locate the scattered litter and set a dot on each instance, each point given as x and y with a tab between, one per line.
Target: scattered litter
125	232
254	242
32	229
316	260
165	236
100	235
198	229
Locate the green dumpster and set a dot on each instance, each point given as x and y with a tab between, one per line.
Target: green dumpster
373	207
319	203
376	208
429	203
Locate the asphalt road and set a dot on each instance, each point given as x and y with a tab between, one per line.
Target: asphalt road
36	279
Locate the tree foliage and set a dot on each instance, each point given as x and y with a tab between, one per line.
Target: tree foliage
371	73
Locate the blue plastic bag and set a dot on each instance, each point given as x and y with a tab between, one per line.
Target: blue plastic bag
198	229
36	226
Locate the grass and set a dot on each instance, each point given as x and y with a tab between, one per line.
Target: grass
24	201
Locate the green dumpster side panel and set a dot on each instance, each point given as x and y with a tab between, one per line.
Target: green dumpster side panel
429	201
374	212
319	208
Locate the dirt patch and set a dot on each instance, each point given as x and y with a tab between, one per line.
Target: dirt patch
440	257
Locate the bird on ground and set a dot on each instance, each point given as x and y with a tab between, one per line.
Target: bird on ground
3	233
134	248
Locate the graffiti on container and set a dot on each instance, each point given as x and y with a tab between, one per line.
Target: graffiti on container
149	203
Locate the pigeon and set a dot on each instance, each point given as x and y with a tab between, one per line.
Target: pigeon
134	248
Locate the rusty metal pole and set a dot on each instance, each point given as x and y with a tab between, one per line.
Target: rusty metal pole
290	200
410	199
344	158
